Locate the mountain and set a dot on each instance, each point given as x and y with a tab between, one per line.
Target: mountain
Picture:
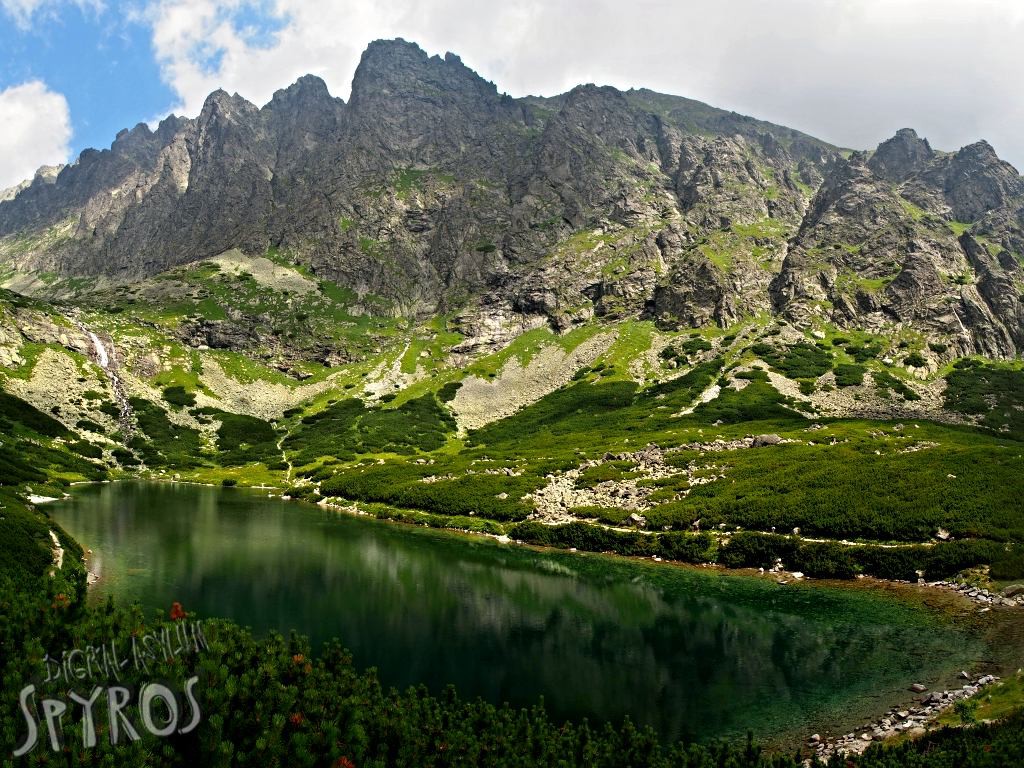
605	321
430	193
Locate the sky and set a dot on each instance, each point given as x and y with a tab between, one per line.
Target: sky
852	72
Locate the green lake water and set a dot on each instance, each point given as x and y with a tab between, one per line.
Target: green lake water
694	653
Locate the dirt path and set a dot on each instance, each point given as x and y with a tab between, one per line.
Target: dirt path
58	551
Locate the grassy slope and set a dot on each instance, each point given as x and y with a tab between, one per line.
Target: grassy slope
866	485
852	478
37	456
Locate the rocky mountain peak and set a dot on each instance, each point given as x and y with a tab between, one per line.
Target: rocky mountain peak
139	132
305	104
222	105
307	90
902	155
597	109
399	69
976	181
45	174
980	151
431	191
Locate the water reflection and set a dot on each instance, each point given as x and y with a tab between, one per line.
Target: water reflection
687	652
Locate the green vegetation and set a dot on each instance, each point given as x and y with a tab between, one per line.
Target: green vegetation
765	228
269	701
1008	566
682	352
913	211
16	412
26	539
846	490
177	396
887	383
915	360
402	485
307	315
401	460
681	547
993	392
408	180
850	282
600	473
831	560
161	443
849	375
243	439
32	460
722	248
861	353
799	361
346	428
1004	699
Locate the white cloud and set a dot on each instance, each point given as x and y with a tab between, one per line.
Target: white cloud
24	12
35	131
850	71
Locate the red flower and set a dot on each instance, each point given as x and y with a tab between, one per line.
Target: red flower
298	658
177	612
344	762
296	718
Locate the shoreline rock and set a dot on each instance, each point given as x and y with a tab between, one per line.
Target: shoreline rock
983	597
912	719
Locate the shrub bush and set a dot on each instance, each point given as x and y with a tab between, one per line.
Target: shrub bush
849	375
1008	566
177	396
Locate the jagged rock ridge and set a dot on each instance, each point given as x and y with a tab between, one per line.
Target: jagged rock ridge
430	191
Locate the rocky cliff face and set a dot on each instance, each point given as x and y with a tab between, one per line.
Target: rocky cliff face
915	238
430	191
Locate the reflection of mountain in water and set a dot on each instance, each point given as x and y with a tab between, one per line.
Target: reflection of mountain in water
679	649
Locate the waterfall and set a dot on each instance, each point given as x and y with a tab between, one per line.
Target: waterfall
101	351
108	362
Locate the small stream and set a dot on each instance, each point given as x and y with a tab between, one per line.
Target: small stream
108	362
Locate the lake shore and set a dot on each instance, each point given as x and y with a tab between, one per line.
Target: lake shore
952	601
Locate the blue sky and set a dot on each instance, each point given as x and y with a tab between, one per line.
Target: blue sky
75	72
99	60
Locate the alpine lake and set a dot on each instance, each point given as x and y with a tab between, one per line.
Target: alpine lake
696	653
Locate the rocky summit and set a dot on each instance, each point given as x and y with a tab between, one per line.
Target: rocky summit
431	193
